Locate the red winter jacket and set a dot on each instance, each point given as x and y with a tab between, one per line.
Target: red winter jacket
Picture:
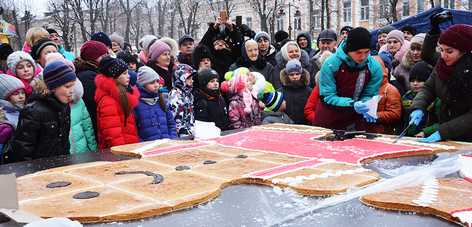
310	106
112	128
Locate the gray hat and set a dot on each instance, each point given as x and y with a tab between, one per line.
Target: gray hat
8	85
17	57
118	39
327	34
146	75
262	34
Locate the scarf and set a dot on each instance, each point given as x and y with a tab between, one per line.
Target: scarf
444	71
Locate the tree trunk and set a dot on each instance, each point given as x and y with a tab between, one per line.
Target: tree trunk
311	13
322	14
172	24
328	15
19	39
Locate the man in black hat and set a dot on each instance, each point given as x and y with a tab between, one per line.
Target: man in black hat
327	41
186	46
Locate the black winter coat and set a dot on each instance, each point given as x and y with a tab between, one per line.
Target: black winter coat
296	96
211	109
86	72
43	130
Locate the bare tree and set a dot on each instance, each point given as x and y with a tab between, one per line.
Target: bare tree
128	6
162	13
188	14
93	11
264	10
136	26
149	10
104	15
79	15
173	14
393	11
216	6
311	5
60	12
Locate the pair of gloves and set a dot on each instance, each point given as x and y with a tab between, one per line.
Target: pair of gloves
362	108
415	119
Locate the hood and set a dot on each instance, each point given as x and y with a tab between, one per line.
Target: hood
7	107
146	94
82	65
181	73
107	87
78	91
244	61
304	59
305	80
309	39
399	55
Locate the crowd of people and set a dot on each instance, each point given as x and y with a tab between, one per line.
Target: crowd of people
55	103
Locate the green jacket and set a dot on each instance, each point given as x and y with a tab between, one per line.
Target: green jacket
81	137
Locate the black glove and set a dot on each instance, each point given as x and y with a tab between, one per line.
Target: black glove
439	18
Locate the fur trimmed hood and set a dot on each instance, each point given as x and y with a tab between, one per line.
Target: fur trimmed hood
305	78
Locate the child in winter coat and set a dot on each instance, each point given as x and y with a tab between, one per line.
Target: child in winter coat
115	103
12	100
82	136
275	108
22	66
181	99
295	87
154	120
244	110
209	104
44	124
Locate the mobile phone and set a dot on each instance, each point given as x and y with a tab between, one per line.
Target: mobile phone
239	20
224	15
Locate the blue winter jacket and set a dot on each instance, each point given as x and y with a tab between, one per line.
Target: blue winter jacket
153	123
328	81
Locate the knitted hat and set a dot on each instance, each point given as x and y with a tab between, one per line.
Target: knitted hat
346	29
156	49
262	34
293	66
146	75
421	71
101	37
410	29
185	38
146	42
58	57
206	75
39	46
273	100
280	36
387	29
57	73
358	38
112	67
458	36
8	85
5	50
327	34
396	34
118	39
418	38
17	57
91	50
52	30
174	47
127	57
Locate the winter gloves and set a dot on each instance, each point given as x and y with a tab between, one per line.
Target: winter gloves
362	108
435	137
416	117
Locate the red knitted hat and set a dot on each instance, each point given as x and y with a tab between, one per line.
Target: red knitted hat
458	36
91	50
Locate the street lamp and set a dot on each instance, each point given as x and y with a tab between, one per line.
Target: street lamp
290	17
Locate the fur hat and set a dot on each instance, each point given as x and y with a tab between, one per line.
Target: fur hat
118	39
146	42
57	73
8	85
112	67
17	57
280	36
39	46
200	52
101	37
146	75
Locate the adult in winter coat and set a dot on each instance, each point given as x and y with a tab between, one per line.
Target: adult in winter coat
412	56
347	79
160	60
295	81
154	120
115	103
451	82
82	137
54	36
225	45
209	105
289	51
327	41
181	100
44	124
251	59
397	46
304	41
86	66
186	46
389	108
266	50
